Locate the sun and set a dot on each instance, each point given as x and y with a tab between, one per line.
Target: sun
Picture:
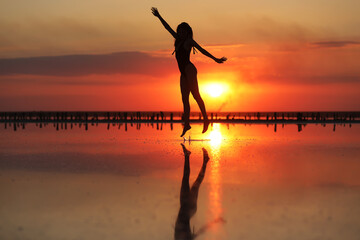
215	89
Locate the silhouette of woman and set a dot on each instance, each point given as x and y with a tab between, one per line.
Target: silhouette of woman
188	198
188	80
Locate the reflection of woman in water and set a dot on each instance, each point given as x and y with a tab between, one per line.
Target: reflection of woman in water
188	81
188	198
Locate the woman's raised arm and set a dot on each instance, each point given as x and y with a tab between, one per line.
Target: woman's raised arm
206	53
166	25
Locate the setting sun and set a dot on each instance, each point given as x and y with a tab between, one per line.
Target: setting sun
215	89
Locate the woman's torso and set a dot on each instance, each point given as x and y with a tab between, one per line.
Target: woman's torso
182	54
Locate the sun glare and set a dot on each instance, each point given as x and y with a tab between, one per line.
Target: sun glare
215	89
215	136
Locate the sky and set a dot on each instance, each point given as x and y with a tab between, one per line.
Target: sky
111	55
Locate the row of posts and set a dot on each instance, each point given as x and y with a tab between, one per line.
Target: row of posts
161	116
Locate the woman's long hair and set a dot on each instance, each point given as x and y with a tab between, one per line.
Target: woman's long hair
186	27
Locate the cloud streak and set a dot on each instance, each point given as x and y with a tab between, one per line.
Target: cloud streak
310	79
335	44
81	65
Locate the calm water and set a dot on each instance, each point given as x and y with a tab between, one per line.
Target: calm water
108	183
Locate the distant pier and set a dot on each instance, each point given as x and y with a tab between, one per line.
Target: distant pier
175	117
69	120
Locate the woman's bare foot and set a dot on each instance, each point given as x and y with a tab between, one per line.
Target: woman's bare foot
206	157
206	125
186	128
186	152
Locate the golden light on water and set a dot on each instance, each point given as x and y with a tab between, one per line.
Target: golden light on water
215	194
215	136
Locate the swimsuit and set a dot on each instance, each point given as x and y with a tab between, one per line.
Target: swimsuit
182	56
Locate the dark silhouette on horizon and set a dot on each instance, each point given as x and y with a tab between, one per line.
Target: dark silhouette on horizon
184	42
59	120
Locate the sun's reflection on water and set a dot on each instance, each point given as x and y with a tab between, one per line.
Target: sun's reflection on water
215	194
215	137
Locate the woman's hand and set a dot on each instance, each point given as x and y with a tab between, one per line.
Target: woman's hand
155	12
221	60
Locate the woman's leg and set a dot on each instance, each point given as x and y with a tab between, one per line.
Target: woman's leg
194	191
185	93
191	74
185	186
182	224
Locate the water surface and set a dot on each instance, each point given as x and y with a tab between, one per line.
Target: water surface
108	183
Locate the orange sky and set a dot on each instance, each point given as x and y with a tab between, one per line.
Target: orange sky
115	55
